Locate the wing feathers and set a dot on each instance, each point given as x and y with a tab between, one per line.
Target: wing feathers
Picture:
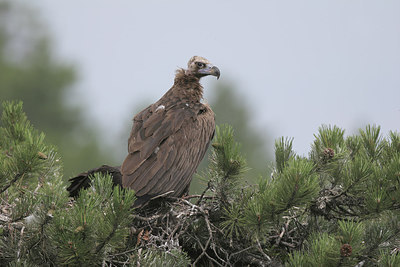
156	175
131	163
165	148
146	180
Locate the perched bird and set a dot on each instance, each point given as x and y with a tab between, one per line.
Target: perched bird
168	140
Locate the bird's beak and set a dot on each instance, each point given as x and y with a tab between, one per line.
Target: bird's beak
210	70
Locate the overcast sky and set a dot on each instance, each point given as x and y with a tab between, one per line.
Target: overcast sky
300	64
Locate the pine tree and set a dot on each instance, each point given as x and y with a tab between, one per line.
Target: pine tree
39	224
340	206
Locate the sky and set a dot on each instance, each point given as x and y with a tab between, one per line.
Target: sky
298	64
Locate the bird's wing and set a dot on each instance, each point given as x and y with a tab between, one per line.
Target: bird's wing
165	148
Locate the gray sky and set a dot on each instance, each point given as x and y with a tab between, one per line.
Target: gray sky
300	64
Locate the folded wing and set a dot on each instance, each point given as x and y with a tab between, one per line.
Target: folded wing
165	148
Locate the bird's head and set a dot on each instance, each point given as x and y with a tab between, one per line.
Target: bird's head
200	67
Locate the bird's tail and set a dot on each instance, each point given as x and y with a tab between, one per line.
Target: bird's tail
83	180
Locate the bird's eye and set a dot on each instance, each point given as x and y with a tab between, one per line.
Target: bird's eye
200	64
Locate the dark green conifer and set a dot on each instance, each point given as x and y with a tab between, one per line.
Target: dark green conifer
340	206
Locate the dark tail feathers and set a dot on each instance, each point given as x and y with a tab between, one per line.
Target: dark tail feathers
82	180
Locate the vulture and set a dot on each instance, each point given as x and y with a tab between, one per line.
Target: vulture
167	142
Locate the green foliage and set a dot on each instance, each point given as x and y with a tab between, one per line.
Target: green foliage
343	200
297	259
97	223
381	233
226	155
39	226
153	258
355	175
342	249
387	260
226	163
283	152
329	137
360	182
25	160
251	213
324	250
338	207
231	108
31	188
351	233
234	221
296	185
372	141
328	154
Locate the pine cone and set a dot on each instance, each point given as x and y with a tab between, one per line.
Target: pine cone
328	154
346	250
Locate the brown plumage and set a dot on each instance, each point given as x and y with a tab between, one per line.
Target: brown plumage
169	138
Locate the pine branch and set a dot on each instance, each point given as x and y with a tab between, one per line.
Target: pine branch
16	178
107	239
339	206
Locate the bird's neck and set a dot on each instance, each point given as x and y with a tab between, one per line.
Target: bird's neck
186	87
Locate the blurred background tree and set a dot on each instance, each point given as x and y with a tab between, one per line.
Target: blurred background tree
231	108
31	72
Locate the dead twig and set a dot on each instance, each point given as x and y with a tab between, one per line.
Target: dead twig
202	194
20	244
261	250
147	219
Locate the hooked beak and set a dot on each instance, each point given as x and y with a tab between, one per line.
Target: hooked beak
210	70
